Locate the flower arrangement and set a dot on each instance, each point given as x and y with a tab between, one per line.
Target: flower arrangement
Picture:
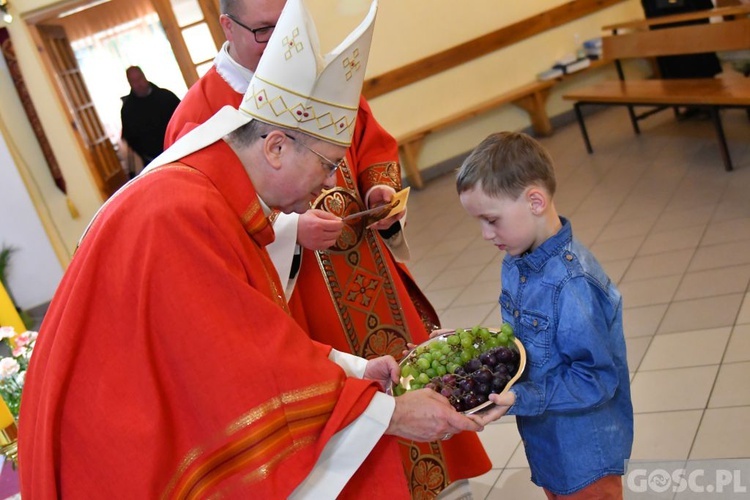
13	367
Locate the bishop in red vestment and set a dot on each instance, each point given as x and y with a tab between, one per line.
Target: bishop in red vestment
168	364
355	296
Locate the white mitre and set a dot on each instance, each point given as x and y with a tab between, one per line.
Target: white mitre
294	86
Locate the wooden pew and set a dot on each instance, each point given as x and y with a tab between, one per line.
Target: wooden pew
531	97
712	94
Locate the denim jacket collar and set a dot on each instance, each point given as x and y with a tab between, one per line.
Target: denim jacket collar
553	246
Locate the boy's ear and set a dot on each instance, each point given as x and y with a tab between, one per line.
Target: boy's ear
537	200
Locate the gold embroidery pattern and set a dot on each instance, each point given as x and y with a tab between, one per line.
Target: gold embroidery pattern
387	173
384	341
263	97
361	291
427	479
351	65
291	43
342	202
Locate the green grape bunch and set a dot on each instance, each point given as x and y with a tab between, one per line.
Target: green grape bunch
465	366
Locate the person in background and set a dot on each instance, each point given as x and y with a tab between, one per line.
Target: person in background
573	405
703	65
350	290
175	369
145	114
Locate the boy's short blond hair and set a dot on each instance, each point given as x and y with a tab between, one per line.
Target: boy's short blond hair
505	164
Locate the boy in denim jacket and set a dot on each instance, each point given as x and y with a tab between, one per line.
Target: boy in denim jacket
572	405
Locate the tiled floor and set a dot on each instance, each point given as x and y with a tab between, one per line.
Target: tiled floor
672	228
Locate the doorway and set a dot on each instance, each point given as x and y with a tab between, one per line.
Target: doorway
173	41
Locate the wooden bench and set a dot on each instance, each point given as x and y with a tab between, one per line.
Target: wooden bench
531	97
712	94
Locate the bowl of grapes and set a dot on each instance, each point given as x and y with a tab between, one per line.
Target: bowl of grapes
464	365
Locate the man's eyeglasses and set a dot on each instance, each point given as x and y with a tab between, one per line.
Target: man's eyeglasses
262	34
330	165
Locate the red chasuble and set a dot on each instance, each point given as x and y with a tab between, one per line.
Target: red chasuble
168	365
357	298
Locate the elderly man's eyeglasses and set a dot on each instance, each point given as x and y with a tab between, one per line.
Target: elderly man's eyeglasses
330	165
262	34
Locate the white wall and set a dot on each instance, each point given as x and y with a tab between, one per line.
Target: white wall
34	270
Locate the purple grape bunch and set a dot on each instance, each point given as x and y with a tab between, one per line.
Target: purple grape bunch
470	385
465	366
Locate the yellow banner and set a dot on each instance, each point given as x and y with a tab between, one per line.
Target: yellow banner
8	314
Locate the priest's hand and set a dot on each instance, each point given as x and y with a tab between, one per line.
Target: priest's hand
383	370
382	195
318	229
425	415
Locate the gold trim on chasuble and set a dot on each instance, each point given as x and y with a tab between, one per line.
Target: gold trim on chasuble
257	441
367	303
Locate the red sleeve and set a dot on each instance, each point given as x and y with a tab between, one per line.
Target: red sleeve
374	152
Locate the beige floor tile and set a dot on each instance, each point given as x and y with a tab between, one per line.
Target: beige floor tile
732	386
453	277
467	316
670	390
725	254
739	345
669	241
518	460
482	485
664	435
500	440
710	312
649	292
454	247
492	270
466	229
723	434
636	350
516	484
477	251
632	227
623	248
662	264
677	350
615	269
479	292
690	217
721	281
744	316
441	299
426	270
642	321
494	318
729	231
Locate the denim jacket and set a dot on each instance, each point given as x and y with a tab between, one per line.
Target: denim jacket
573	406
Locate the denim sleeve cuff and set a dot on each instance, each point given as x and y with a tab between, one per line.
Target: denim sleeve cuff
529	400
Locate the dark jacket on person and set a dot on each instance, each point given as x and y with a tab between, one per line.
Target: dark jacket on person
703	65
145	119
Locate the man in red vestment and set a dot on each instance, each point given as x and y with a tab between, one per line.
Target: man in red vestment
355	295
168	364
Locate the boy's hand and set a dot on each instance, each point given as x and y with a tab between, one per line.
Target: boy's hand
507	398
